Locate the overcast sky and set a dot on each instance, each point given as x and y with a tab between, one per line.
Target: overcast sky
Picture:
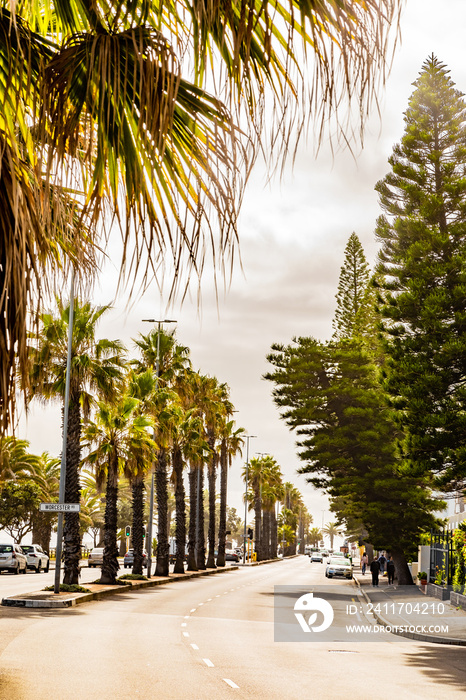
293	234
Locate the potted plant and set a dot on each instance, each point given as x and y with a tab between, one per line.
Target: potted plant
422	576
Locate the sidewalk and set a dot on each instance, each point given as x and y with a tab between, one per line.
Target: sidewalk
406	609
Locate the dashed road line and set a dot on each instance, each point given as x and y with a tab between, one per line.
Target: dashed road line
184	624
208	663
185	634
230	683
195	647
193	609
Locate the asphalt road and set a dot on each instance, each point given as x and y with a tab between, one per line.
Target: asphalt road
211	637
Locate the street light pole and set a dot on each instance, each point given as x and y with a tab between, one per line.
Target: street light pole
248	437
61	491
152	485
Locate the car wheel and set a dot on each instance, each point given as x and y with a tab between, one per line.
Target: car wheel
90	566
38	568
25	570
330	576
47	567
16	571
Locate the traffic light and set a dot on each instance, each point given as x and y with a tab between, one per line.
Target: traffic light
128	531
143	532
250	533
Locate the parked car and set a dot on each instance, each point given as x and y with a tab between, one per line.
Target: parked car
96	557
37	559
128	560
230	555
316	556
339	566
12	558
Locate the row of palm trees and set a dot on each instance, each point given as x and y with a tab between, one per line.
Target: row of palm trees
266	489
129	417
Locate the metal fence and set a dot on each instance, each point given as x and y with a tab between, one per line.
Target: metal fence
442	555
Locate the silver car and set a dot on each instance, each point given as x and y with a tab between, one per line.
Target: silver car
339	566
12	559
37	559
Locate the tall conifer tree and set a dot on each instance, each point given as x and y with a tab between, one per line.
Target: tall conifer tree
352	286
331	395
422	264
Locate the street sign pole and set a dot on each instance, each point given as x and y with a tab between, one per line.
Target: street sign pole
61	492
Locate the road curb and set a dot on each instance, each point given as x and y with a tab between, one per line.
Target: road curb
47	600
430	638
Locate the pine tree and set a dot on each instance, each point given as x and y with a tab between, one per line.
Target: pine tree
422	266
330	394
352	287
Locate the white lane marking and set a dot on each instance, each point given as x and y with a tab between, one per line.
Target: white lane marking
186	617
226	593
208	663
230	683
183	624
193	610
185	634
194	646
200	604
209	599
218	595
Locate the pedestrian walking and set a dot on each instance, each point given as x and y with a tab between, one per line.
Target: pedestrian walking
375	571
364	563
390	570
382	562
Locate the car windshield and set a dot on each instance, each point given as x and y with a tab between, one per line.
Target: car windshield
340	562
27	548
6	548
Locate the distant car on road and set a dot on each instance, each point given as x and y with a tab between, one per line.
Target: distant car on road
12	558
37	559
339	566
230	555
128	560
316	556
96	557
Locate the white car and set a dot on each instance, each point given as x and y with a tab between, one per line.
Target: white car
316	556
339	566
37	559
96	557
12	559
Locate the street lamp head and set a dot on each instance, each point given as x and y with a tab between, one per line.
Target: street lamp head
155	320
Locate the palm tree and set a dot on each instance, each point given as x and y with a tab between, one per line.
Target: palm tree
47	476
271	492
15	460
332	530
315	536
255	477
98	95
96	366
231	442
141	386
118	427
159	350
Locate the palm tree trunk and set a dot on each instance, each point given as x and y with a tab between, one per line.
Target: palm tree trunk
273	535
222	527
138	523
200	556
212	478
180	511
257	524
110	563
265	535
192	564
161	481
71	533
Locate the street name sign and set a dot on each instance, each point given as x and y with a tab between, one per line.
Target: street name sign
60	507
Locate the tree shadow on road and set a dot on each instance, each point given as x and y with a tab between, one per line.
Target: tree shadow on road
443	665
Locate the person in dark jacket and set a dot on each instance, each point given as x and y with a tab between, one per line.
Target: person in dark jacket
375	571
390	570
